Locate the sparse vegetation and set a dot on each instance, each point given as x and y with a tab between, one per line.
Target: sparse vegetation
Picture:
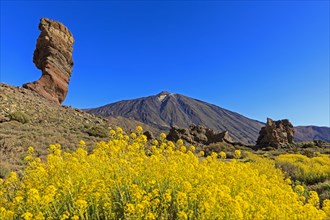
19	116
4	170
98	131
219	147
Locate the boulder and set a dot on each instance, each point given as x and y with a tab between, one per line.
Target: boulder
197	134
149	135
276	134
53	56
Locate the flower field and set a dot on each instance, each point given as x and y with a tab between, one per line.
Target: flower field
304	169
126	178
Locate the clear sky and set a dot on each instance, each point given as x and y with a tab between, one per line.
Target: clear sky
258	58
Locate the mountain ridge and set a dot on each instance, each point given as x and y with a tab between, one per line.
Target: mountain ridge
165	110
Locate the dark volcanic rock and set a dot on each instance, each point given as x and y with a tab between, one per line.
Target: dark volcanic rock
149	135
197	134
276	134
53	56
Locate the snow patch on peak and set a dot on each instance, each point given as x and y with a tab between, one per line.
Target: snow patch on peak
161	97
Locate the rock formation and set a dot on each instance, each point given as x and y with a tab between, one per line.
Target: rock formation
53	56
197	134
149	135
276	134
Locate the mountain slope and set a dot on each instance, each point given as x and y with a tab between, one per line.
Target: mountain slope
308	133
48	123
165	110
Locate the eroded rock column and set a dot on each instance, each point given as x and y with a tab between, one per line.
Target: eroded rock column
53	56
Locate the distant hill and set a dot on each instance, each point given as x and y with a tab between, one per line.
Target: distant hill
307	133
165	110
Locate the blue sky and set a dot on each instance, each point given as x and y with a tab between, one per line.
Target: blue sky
258	58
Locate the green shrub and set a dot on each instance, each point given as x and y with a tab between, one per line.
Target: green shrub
19	116
98	131
4	170
308	145
218	147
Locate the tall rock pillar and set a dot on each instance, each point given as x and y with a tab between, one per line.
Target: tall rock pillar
53	56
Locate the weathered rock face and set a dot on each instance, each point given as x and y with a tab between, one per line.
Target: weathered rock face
276	134
53	56
197	134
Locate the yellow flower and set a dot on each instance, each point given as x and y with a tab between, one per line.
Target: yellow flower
179	142
82	143
28	158
181	198
119	130
65	216
30	150
222	155
18	199
130	209
162	136
300	189
182	215
192	148
39	216
138	129
81	205
155	142
314	199
288	181
183	149
168	196
237	154
133	136
326	207
112	133
150	216
27	216
214	155
187	186
33	196
75	217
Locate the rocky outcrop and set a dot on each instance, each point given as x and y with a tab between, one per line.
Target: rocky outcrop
276	134
197	134
149	135
53	56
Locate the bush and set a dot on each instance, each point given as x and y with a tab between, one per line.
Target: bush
20	117
98	131
306	170
4	170
308	145
322	189
218	147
